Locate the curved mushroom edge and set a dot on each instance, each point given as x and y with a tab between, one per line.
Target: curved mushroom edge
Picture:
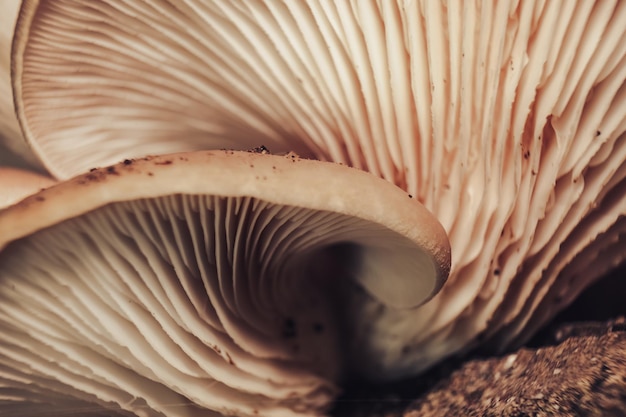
286	180
25	16
16	184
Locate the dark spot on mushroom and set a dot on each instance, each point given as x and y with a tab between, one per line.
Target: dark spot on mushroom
127	161
150	174
318	327
40	198
251	165
533	172
273	167
598	133
526	154
111	170
166	162
410	196
260	149
93	169
496	272
228	358
92	177
289	329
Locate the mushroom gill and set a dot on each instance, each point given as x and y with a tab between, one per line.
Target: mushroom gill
505	119
207	283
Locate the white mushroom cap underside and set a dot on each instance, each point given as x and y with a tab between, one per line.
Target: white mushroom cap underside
192	282
506	119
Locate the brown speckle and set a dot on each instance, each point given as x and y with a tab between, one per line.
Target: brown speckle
93	169
40	198
410	196
598	133
111	170
128	161
260	149
496	272
166	162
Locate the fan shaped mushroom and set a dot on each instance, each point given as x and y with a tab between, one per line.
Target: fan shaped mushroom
505	119
236	282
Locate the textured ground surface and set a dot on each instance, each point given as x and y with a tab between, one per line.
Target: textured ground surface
582	375
576	367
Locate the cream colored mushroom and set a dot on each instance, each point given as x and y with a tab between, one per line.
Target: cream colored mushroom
10	133
17	184
208	283
505	119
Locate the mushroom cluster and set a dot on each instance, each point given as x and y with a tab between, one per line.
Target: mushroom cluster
207	282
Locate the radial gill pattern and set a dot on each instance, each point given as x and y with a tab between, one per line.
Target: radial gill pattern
202	304
186	302
195	280
506	119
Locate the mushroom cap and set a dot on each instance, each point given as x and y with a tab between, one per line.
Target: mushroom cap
236	282
506	120
16	184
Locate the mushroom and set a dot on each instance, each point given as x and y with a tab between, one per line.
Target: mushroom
10	133
16	184
506	120
206	283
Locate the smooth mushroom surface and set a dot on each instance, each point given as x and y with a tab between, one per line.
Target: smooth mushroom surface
208	283
505	119
17	184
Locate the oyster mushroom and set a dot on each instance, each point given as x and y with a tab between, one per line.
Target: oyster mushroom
17	184
205	283
505	119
